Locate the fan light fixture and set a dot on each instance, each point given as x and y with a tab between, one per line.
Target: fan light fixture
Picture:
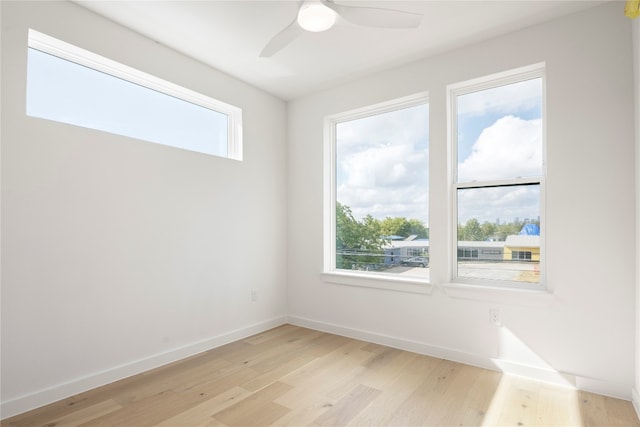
316	17
320	15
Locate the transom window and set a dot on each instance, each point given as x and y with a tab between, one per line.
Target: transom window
71	85
497	142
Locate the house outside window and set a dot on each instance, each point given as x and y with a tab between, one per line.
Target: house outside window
497	158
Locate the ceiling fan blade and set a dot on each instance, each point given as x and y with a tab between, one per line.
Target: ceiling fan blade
283	38
375	17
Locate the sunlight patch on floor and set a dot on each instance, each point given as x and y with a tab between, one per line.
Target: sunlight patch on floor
550	400
522	402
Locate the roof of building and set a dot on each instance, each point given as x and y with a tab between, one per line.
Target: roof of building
418	243
480	244
520	240
523	240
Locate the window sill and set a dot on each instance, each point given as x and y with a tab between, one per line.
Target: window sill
379	281
526	297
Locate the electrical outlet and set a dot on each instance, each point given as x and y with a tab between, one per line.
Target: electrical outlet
494	316
254	295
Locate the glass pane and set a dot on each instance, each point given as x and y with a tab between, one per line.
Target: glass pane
382	193
499	233
499	132
66	92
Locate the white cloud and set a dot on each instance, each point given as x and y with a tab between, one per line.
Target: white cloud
409	202
383	181
383	163
510	148
385	166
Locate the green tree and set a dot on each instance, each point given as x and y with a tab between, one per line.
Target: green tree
488	230
346	227
395	227
400	226
358	243
471	231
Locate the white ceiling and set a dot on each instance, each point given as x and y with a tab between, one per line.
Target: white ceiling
229	35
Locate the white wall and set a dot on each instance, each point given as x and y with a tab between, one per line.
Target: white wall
119	255
584	331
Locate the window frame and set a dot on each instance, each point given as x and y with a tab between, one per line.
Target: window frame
330	273
53	46
475	85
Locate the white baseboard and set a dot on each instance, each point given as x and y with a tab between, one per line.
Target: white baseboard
635	399
399	343
607	388
60	391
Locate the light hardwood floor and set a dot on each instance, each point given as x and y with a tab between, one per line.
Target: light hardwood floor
292	376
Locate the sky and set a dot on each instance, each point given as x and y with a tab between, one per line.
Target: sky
66	92
382	160
382	166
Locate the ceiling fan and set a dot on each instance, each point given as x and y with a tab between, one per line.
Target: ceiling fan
320	15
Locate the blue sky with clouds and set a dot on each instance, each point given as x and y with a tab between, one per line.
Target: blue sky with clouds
382	161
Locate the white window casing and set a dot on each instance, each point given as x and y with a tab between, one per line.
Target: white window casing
74	54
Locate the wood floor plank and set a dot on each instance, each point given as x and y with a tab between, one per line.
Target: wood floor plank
324	344
324	373
384	411
520	408
87	414
170	380
286	366
202	414
294	347
292	376
480	396
447	402
257	410
592	409
49	413
348	407
423	401
257	354
558	406
618	411
306	406
380	369
273	333
217	385
144	412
